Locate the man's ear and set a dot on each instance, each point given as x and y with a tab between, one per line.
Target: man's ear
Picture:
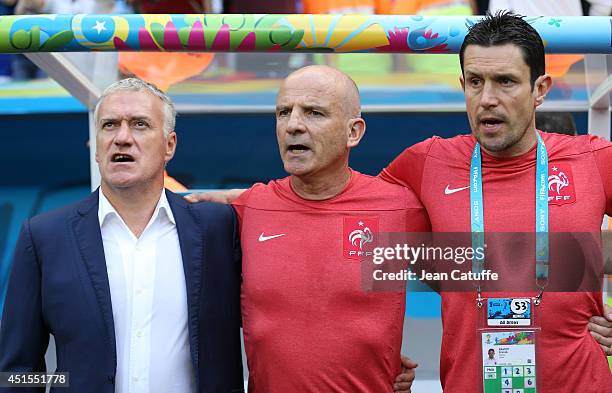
462	82
356	131
170	146
96	151
541	87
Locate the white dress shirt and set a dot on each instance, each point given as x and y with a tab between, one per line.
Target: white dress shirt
149	299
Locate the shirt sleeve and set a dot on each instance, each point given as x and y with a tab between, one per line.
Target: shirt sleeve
417	221
407	168
239	205
602	150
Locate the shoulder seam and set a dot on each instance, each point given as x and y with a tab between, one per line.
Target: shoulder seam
434	139
335	211
28	229
601	178
599	148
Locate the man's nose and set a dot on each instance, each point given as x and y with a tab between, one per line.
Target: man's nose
124	134
489	96
296	122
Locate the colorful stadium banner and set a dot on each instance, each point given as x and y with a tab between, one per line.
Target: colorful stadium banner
273	33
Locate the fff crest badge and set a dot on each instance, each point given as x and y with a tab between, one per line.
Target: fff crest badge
561	188
359	236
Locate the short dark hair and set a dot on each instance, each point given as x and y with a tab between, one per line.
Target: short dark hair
503	28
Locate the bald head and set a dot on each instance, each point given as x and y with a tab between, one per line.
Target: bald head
318	121
341	86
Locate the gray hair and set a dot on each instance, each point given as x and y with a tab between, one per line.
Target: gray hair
135	84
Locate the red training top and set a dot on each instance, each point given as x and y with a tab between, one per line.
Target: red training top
309	324
569	359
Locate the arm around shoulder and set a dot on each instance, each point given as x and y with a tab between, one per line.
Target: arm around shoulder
407	168
221	196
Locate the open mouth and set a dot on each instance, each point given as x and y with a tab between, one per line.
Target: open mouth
491	121
120	157
297	148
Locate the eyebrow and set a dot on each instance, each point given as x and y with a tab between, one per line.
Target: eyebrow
315	107
131	118
305	106
508	75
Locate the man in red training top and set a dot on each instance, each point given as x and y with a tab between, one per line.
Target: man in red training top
504	81
309	325
502	59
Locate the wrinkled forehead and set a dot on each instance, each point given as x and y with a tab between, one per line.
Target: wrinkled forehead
134	103
305	99
500	58
307	93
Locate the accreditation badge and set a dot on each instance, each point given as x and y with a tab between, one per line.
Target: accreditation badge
508	335
508	312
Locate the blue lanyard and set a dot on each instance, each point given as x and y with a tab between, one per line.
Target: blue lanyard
541	221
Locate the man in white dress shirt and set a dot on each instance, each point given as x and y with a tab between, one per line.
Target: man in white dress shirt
139	288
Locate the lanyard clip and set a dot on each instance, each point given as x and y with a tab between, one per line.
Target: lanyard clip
479	299
542	284
538	299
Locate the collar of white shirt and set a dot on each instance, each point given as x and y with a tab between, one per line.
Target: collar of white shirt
106	210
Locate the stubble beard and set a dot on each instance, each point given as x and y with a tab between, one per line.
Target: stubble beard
503	142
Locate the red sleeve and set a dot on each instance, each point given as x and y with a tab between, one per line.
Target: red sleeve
602	150
239	204
417	220
407	168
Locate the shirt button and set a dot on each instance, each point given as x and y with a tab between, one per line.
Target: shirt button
139	292
139	333
135	379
